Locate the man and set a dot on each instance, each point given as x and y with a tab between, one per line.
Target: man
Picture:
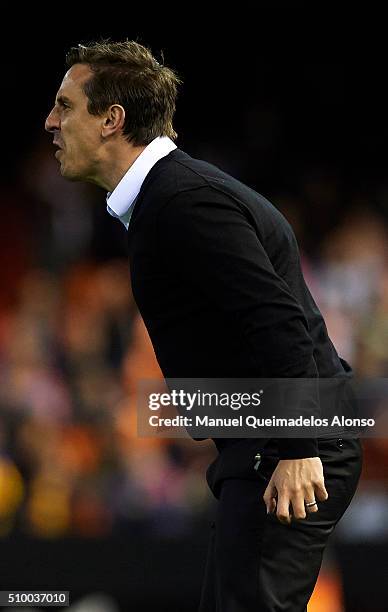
216	275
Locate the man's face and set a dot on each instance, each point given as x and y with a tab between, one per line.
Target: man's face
77	133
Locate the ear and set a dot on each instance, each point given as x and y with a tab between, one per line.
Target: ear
113	121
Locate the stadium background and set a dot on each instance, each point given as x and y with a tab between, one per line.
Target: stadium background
85	505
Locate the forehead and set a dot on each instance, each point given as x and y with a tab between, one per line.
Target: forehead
73	81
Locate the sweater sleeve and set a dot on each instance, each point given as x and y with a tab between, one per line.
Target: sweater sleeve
209	239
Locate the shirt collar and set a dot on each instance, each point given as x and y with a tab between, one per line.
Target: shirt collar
121	201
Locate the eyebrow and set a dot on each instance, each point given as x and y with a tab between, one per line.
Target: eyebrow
63	100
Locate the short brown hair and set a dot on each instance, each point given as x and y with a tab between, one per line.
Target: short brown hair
126	73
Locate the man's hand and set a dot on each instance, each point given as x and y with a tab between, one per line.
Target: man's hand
296	482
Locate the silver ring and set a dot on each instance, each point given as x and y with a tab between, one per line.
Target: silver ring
309	504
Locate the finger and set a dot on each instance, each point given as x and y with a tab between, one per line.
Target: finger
271	506
312	509
308	498
298	508
270	497
320	491
283	509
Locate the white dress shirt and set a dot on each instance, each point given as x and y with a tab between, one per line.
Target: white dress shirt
121	201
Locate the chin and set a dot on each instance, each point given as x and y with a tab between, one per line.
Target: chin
70	174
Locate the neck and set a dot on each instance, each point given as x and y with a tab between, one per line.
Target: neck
115	165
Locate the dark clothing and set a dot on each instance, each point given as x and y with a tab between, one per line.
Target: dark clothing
256	564
216	275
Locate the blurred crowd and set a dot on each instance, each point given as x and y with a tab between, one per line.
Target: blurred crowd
73	348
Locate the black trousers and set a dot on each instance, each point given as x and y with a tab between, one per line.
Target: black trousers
257	564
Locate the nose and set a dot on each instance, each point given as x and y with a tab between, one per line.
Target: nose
52	122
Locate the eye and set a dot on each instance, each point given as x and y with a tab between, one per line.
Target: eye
63	105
